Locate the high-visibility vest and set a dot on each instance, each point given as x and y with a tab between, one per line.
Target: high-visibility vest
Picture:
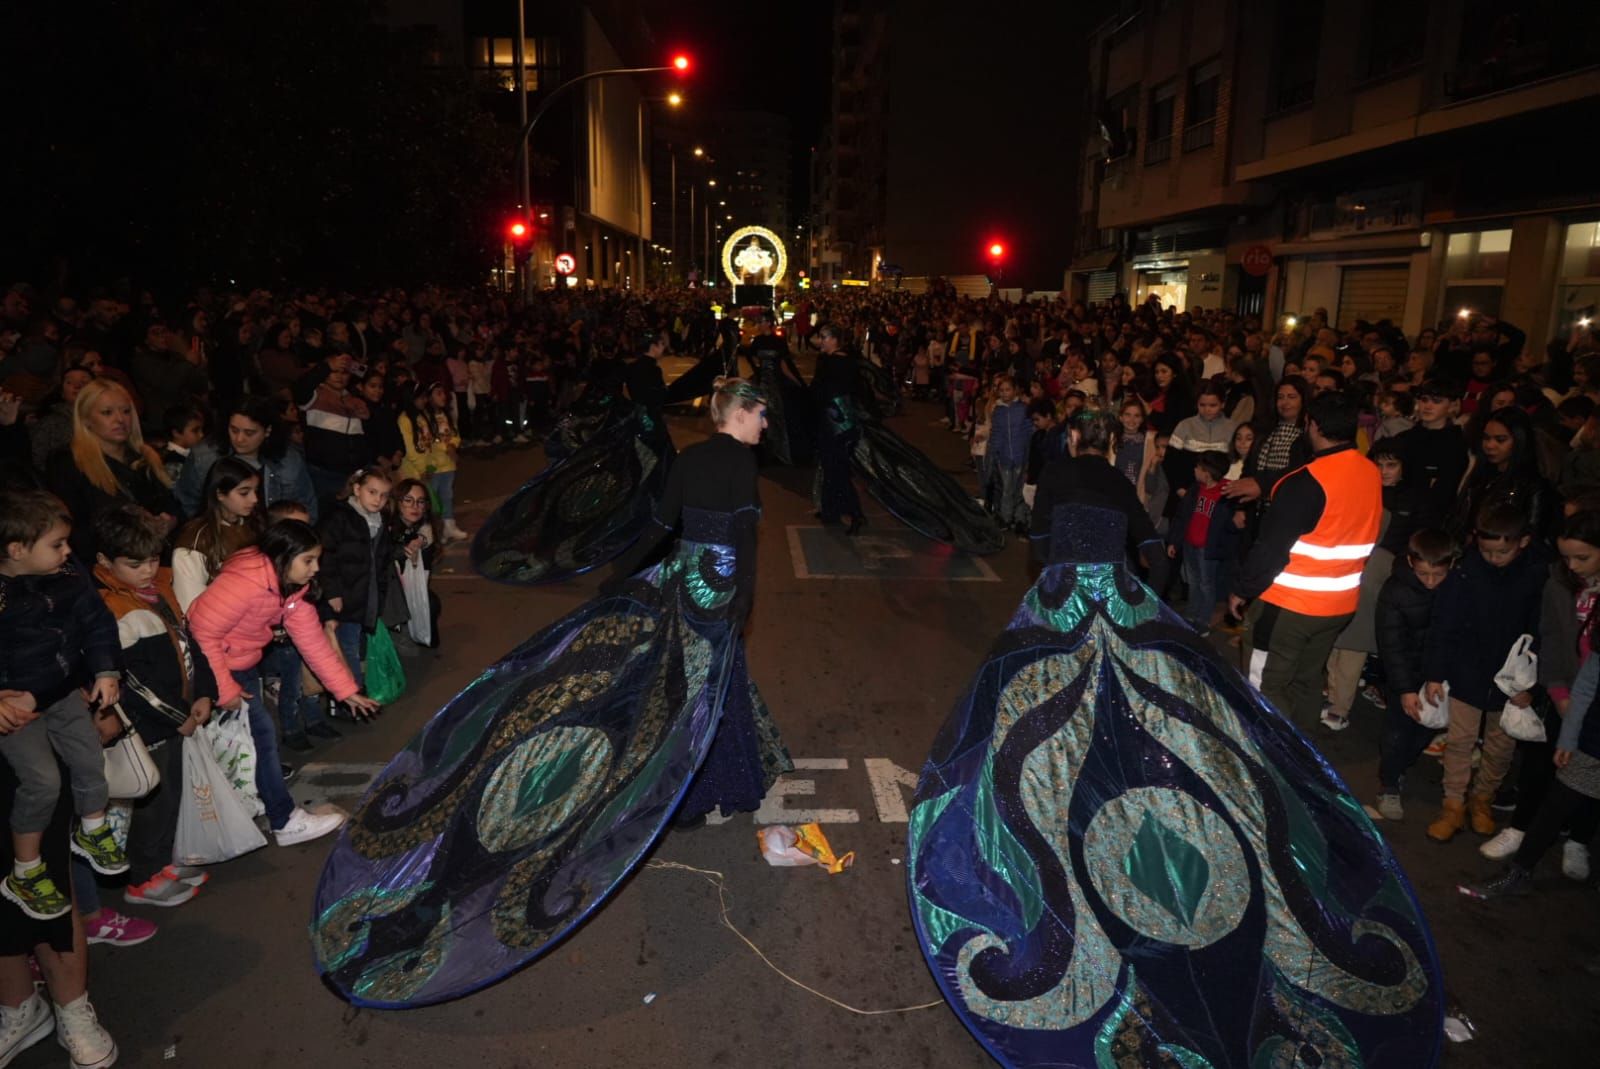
1323	576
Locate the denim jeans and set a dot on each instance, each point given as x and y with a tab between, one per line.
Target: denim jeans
1201	576
85	889
349	637
1403	742
296	711
444	486
269	767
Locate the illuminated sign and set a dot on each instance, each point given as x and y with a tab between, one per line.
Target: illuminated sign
854	282
566	263
754	256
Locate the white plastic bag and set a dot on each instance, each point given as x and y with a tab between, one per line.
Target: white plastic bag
414	581
1524	725
235	751
778	847
213	823
1521	670
1436	716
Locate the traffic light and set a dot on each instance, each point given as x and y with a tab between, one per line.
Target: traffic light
680	63
517	230
997	251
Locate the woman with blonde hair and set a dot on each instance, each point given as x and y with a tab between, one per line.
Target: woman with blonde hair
108	463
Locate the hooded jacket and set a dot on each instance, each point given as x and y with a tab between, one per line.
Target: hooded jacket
233	621
55	634
1479	611
157	653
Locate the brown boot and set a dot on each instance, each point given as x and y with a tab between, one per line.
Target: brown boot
1452	818
1480	814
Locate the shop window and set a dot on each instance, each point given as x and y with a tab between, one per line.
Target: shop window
1477	255
1578	295
1158	127
1580	257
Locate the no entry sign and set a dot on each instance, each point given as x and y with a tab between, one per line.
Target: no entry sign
1256	260
566	263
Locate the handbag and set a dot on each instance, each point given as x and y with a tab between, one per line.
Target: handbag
130	773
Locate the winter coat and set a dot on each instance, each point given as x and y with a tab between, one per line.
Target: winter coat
55	634
1222	537
355	567
283	478
1559	633
1479	611
1009	433
233	621
1401	627
157	652
136	482
334	423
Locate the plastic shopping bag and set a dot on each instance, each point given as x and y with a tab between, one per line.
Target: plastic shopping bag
386	680
414	581
214	824
1436	716
228	733
1524	725
1521	670
805	845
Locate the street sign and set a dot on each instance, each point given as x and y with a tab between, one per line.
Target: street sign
566	263
1256	260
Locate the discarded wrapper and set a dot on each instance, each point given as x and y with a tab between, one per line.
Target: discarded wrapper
784	846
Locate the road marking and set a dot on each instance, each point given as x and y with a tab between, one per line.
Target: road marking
324	781
898	554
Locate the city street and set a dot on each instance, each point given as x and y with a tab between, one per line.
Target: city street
860	649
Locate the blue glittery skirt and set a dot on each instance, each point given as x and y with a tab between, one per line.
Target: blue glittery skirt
583	510
1120	855
528	798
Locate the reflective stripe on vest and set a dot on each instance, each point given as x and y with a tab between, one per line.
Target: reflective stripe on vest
1323	576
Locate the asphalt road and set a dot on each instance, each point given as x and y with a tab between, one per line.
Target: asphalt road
860	649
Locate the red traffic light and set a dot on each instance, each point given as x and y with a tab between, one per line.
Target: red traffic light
996	250
518	230
680	63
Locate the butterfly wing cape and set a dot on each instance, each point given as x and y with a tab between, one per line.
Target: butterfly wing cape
1120	855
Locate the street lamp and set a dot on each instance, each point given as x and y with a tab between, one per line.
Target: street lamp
679	64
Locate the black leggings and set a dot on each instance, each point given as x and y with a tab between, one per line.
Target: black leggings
1536	778
839	496
1561	805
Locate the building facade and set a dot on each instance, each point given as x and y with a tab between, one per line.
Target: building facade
591	191
849	172
1380	159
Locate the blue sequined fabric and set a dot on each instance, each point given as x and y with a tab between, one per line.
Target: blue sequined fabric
585	508
1119	855
1087	535
529	797
920	494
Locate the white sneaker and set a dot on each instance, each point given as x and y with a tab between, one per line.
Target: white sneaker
24	1026
1575	861
303	827
1332	720
1502	846
79	1033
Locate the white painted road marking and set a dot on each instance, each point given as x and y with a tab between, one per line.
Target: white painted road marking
324	781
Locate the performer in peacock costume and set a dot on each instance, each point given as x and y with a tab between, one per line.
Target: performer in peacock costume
1121	856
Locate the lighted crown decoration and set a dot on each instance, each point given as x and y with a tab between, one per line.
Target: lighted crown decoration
754	256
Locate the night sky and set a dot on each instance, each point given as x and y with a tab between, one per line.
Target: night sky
764	56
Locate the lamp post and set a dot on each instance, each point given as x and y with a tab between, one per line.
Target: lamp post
679	65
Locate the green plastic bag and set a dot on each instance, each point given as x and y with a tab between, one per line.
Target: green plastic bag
386	680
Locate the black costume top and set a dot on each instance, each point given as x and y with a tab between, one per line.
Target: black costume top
716	475
836	376
1089	480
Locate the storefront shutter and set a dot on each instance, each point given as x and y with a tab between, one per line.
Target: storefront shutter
1102	286
1373	292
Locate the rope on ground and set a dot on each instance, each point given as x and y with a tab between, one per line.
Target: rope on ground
717	880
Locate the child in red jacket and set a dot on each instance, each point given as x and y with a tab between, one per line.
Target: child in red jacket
267	584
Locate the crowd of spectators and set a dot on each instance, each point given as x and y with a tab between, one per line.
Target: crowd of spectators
211	462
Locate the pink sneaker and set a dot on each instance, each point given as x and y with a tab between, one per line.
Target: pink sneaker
118	929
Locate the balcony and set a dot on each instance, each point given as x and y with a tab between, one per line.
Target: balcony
1200	135
1157	151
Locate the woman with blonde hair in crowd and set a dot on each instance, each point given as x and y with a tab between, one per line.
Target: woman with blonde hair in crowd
108	463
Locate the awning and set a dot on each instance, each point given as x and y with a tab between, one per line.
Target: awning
1093	261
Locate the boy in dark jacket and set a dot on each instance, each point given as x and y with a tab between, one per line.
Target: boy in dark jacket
1491	599
169	692
1405	605
59	663
1202	536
